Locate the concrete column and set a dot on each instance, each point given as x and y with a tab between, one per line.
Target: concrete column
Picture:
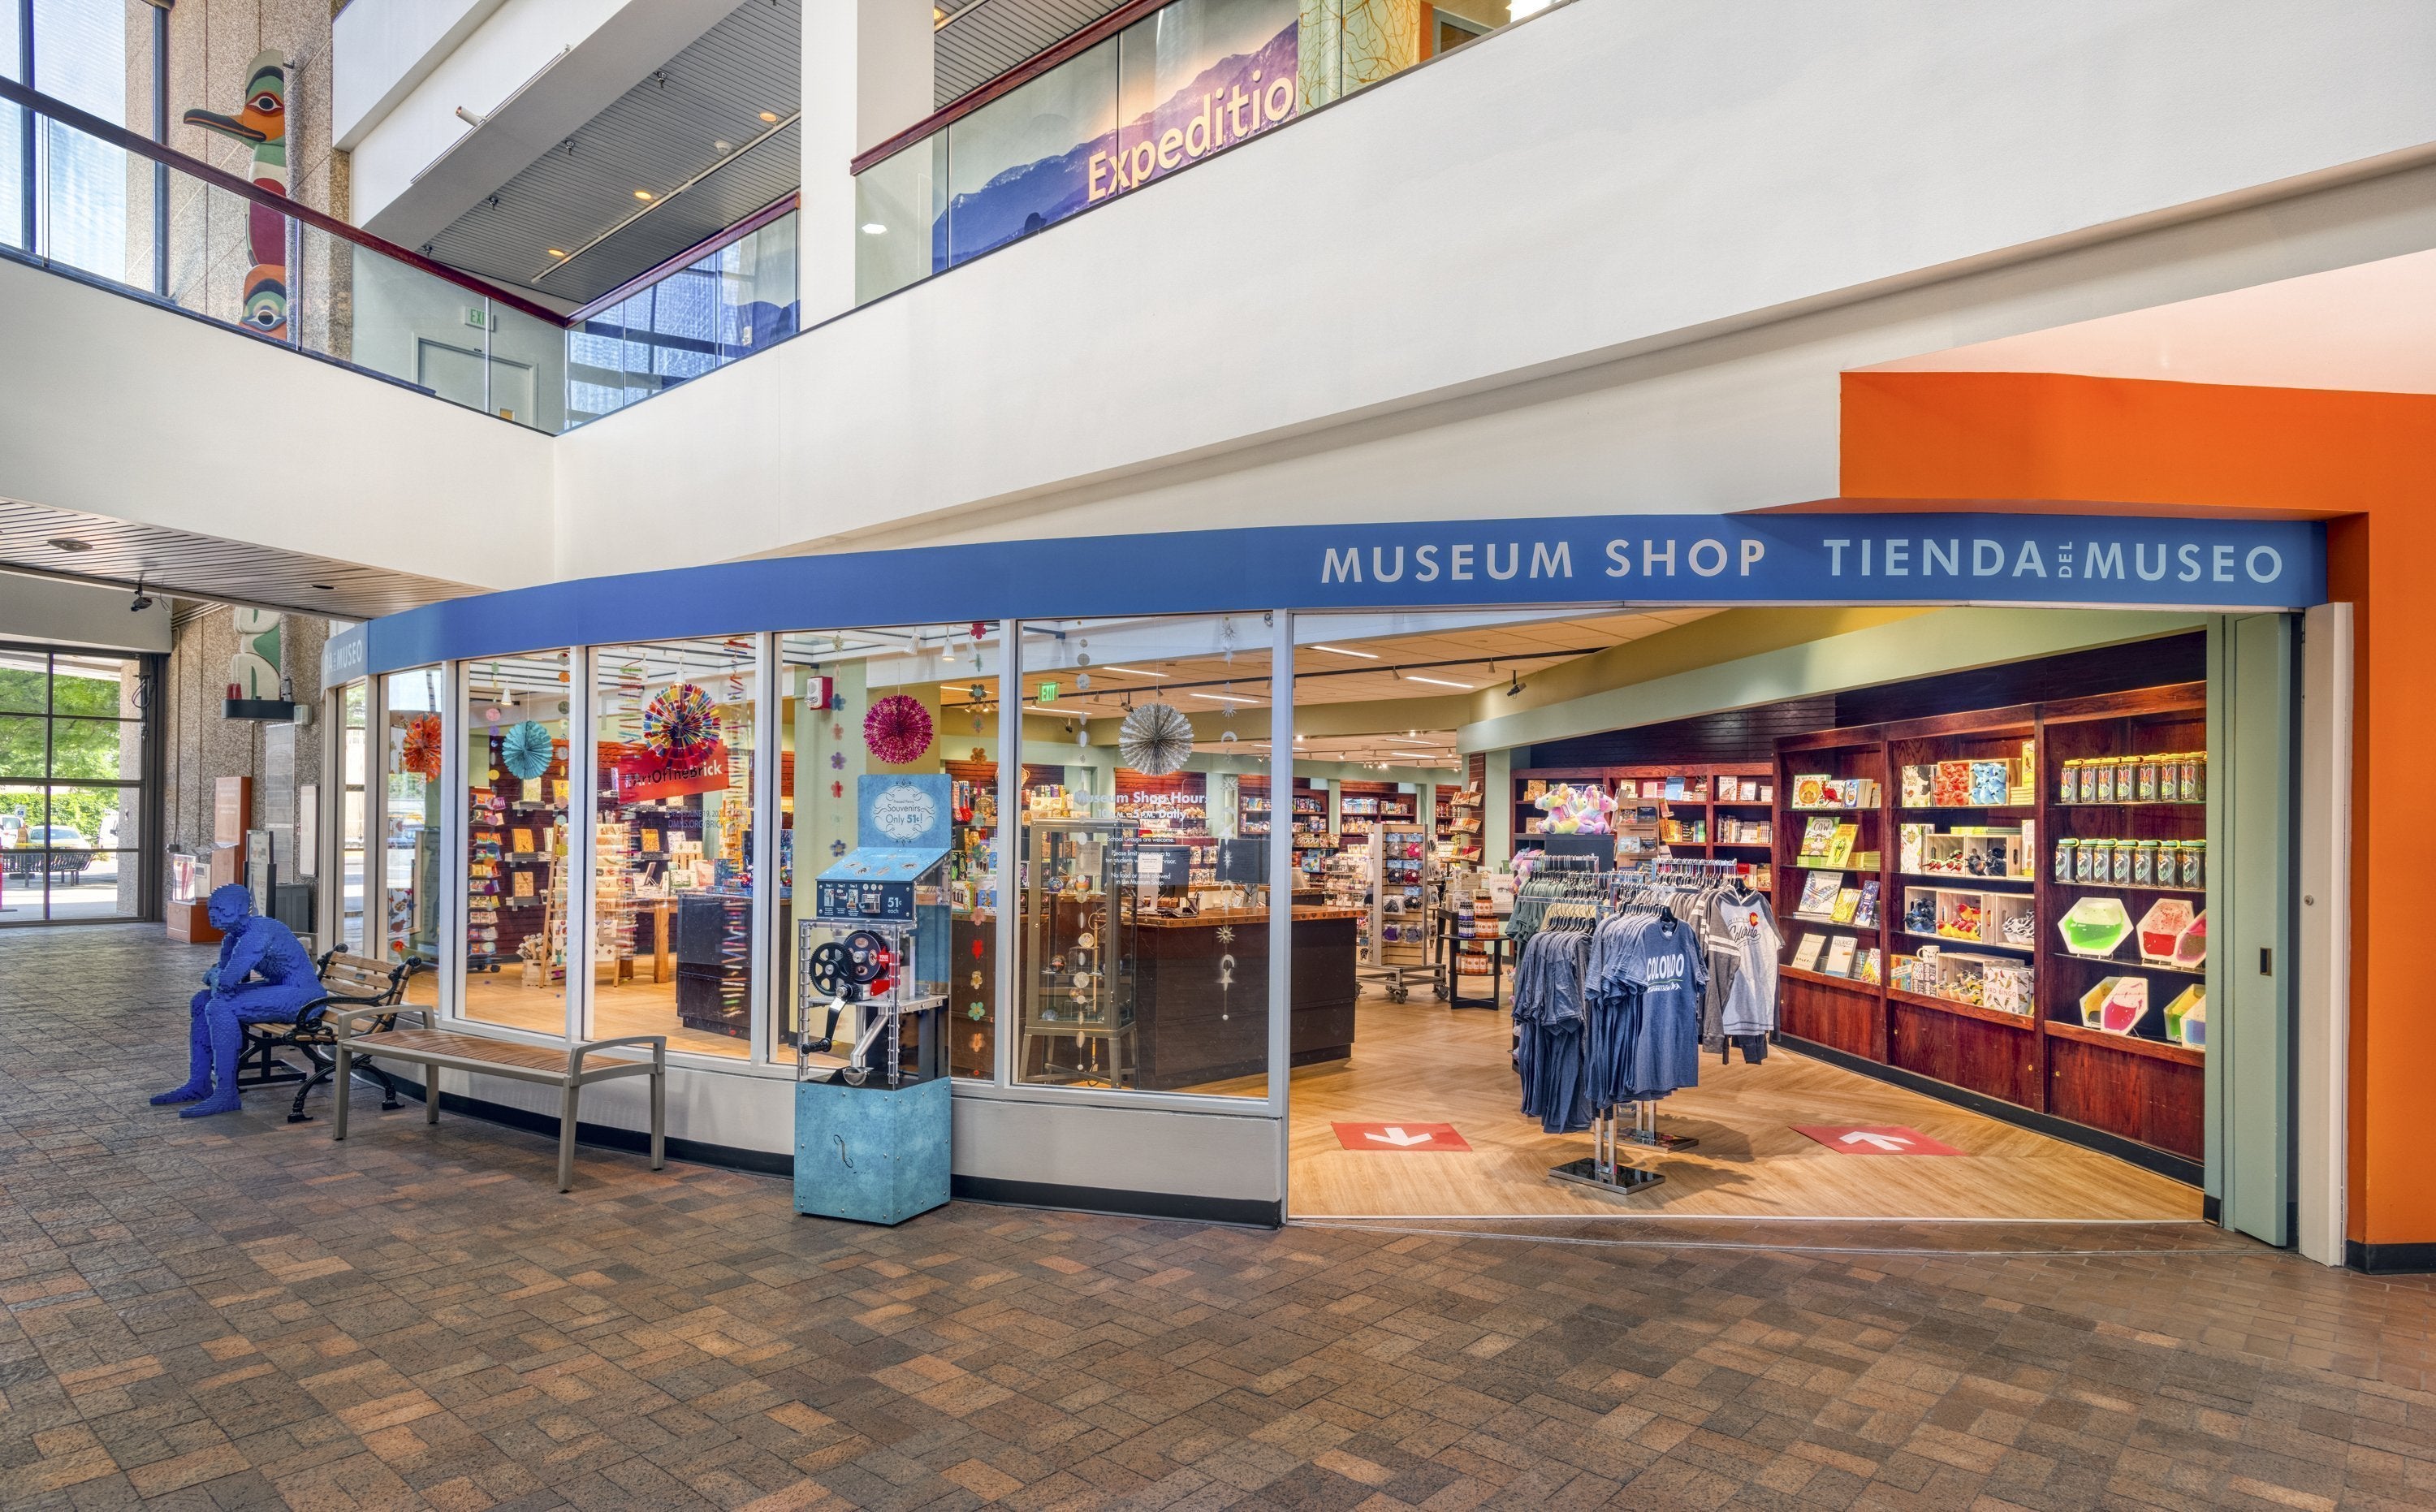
867	75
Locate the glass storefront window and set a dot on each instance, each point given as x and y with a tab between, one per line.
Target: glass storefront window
353	816
410	863
514	725
935	690
1146	912
71	784
672	836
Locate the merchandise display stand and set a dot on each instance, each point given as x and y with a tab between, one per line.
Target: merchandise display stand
1602	1169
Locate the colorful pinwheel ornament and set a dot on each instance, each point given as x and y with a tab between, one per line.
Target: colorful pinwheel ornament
898	729
421	753
681	724
527	749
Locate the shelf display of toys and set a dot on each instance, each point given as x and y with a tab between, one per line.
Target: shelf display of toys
2117	1005
2186	1018
2178	777
2095	926
1572	811
1966	850
1972	916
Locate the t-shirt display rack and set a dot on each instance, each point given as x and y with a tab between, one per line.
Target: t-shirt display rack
1633	1121
2132	1091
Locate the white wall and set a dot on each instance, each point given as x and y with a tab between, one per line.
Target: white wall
1612	259
380	49
117	409
77	614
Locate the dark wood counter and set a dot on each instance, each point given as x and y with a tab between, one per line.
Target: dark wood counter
1198	1020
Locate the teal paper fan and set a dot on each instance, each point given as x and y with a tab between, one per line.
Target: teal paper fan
526	749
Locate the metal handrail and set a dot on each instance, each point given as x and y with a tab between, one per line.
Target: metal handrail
119	137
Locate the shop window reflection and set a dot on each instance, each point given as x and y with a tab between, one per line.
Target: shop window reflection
1145	906
407	901
514	723
353	816
672	836
936	688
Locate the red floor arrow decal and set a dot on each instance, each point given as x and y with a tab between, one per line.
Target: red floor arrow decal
1874	1139
1409	1137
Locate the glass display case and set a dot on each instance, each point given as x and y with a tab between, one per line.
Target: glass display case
1084	881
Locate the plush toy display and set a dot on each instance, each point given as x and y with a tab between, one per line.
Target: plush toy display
1573	811
283	980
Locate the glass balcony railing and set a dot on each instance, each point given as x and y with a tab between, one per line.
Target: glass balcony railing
1121	104
247	258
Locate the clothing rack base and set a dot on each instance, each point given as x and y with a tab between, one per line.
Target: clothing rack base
1619	1179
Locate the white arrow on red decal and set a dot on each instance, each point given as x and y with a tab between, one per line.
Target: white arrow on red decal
1397	1135
1884	1142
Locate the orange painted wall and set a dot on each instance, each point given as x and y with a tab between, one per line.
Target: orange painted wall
2366	462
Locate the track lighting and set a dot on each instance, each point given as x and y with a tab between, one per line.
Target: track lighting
143	601
1514	689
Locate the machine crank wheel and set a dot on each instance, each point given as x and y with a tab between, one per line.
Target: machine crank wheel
840	967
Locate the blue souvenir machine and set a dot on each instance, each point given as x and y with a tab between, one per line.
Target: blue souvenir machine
872	1112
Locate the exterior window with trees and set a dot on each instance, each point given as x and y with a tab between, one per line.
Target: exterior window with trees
72	737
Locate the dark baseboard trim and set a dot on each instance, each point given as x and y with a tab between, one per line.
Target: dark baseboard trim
2389	1259
2172	1167
2212	1209
1241	1211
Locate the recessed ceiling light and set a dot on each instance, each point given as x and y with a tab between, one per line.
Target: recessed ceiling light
769	117
1438	681
1366	655
642	194
556	252
68	542
872	228
722	147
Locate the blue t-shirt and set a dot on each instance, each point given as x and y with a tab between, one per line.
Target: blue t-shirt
1667	960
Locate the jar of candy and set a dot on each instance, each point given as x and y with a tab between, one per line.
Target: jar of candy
2144	862
2084	860
2072	778
2064	849
2085	788
2145	779
2122	869
2195	779
2170	862
2127	777
2195	864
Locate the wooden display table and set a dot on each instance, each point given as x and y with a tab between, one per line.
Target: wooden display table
1199	1020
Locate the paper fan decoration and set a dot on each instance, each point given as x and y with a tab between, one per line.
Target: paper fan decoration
898	729
1155	740
681	723
422	754
525	750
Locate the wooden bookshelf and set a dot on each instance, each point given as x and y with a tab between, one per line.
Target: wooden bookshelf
2142	1088
1707	810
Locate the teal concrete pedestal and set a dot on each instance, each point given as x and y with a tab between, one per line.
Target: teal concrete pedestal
869	1154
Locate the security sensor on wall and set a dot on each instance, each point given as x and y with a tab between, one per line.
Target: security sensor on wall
143	601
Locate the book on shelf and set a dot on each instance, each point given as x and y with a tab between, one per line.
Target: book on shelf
1865	967
1818	889
1848	900
1818	835
1839	844
1867	860
1839	956
1805	953
1865	911
1810	791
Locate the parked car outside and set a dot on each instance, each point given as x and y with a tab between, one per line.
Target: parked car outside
68	852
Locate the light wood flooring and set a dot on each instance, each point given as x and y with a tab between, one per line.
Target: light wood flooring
629	1008
1421	1062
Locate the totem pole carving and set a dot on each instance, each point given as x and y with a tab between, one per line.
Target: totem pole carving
262	121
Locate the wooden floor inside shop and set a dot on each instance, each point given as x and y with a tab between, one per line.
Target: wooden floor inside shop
629	1008
1423	1062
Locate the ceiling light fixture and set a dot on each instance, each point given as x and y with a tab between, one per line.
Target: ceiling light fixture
1514	689
872	228
555	251
1422	756
1366	655
769	117
1226	697
68	542
642	194
1440	682
1133	671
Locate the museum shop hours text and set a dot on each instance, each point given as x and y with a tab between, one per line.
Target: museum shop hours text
1843	557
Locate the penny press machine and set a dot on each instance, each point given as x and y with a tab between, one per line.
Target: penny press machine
872	1104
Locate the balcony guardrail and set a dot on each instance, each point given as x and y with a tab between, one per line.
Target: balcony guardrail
244	257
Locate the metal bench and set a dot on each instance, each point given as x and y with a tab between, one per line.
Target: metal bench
347	981
438	1049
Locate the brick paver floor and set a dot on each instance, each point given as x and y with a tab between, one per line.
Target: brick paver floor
233	1312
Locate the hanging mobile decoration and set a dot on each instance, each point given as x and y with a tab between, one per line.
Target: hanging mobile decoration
681	723
898	729
421	754
526	749
1156	740
1083	655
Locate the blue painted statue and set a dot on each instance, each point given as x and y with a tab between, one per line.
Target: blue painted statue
263	976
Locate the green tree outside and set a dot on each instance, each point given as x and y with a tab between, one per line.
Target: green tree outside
80	749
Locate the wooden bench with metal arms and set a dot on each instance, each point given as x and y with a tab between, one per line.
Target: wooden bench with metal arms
347	981
438	1049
